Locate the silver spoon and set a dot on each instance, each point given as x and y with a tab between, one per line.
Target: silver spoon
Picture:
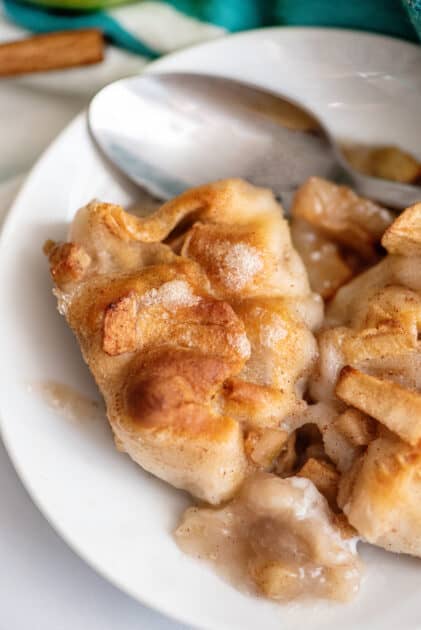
168	132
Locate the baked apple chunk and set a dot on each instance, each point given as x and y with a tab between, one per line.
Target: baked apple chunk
381	495
369	372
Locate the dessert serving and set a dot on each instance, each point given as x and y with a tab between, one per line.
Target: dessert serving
268	368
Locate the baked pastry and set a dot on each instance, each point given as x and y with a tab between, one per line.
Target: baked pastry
221	376
198	353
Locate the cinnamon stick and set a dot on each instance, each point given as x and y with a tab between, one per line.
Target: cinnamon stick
51	52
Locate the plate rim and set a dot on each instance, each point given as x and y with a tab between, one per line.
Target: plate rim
156	604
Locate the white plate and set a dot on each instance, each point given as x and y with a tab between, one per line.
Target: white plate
113	514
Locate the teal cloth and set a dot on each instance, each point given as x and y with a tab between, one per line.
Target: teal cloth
400	18
382	16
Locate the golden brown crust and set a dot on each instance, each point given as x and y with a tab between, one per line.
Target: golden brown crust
192	351
224	201
120	325
404	235
173	387
68	262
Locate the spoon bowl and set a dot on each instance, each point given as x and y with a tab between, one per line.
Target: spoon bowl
169	132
